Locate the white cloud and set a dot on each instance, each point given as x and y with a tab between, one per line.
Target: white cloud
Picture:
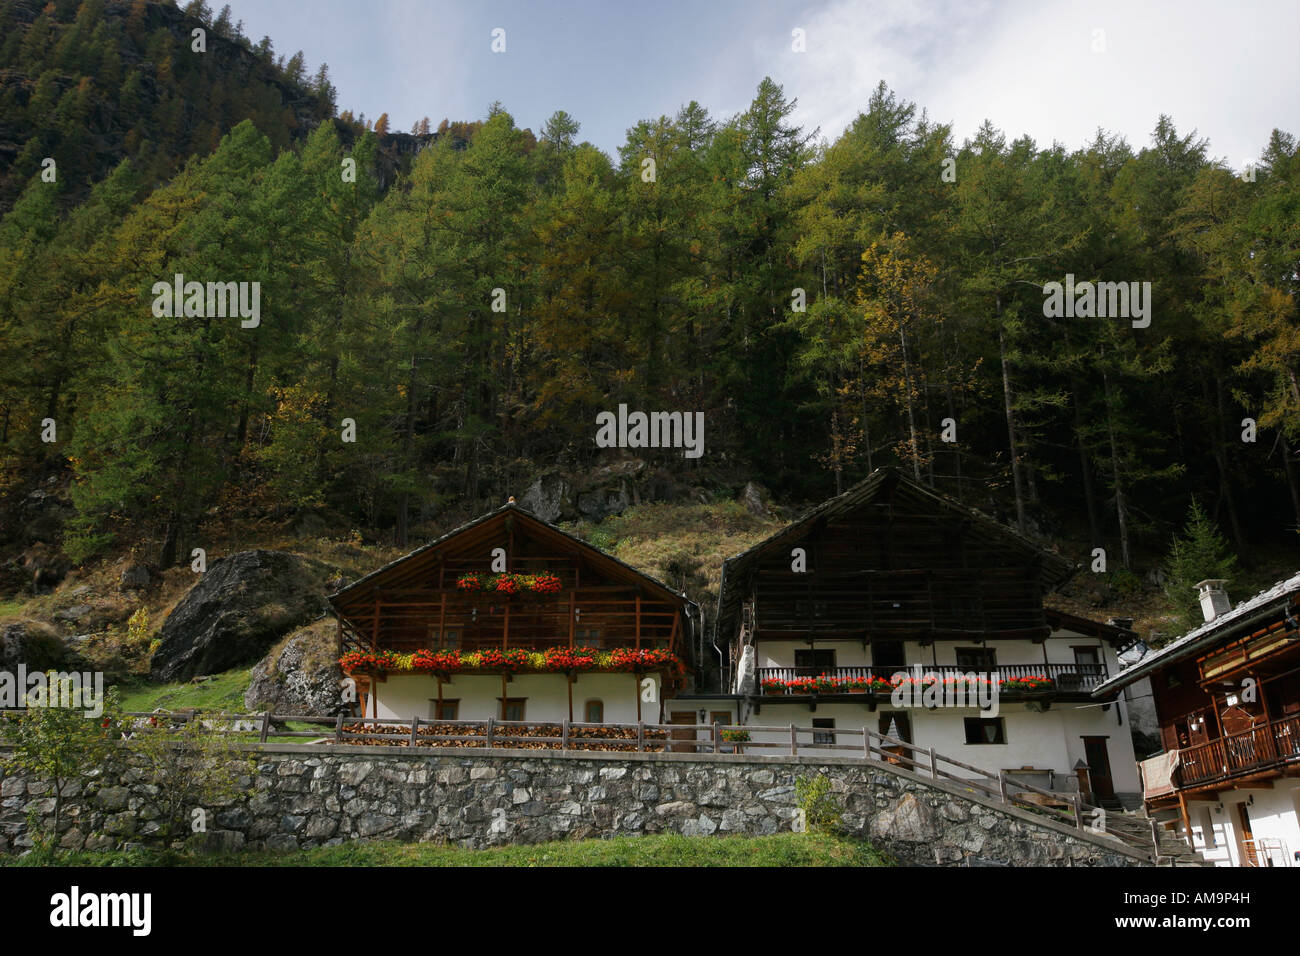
1030	68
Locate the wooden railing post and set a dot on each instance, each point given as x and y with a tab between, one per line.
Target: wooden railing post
640	736
717	737
338	729
1002	785
564	735
266	725
866	744
1078	811
489	733
934	766
1155	840
794	742
415	730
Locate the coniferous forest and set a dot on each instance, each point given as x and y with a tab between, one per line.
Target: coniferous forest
442	314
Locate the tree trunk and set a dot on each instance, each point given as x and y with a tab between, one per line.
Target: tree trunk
1008	404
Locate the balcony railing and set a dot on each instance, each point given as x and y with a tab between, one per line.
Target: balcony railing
1268	745
1066	678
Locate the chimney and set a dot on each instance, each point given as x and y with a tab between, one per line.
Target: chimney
1214	600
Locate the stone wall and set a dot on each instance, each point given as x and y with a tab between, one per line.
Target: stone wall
304	795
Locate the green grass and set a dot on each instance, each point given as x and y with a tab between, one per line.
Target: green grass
783	849
12	607
222	692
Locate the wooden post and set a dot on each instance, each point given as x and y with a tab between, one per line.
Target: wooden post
1078	811
866	744
794	742
573	604
266	725
489	733
505	627
374	624
564	732
717	737
636	689
442	621
1155	840
415	730
569	686
1002	785
934	766
338	729
640	736
1187	820
637	639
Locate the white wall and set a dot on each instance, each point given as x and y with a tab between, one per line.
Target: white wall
780	653
1274	814
404	696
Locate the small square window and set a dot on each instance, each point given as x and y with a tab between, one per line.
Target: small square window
445	709
513	708
985	730
824	723
594	712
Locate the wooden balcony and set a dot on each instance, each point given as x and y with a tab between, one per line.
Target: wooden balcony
605	618
1268	746
1067	679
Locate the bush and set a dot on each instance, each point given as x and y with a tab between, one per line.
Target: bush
821	811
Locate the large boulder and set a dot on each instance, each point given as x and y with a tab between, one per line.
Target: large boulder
237	611
550	497
301	675
34	643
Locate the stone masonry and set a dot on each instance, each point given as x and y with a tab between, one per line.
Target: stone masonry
311	795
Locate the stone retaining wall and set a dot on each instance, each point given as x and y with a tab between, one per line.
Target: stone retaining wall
307	796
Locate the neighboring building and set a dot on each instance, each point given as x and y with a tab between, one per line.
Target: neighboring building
564	595
891	577
1227	697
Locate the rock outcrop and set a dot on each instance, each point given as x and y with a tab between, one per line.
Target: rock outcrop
301	675
240	607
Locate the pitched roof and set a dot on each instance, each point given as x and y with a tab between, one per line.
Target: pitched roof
1055	568
1266	602
592	552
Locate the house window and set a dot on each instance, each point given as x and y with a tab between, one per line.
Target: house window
593	712
810	663
512	708
977	659
448	639
587	637
825	723
985	730
888	654
444	709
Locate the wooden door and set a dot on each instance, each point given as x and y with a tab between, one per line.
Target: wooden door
682	717
1095	753
1245	839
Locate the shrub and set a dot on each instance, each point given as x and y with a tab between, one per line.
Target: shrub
820	808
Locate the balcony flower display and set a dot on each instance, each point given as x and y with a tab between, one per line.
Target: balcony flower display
564	659
1028	683
542	583
511	661
773	685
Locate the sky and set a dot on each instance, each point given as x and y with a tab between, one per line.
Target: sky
1057	71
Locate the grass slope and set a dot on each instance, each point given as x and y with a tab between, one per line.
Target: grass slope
783	849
